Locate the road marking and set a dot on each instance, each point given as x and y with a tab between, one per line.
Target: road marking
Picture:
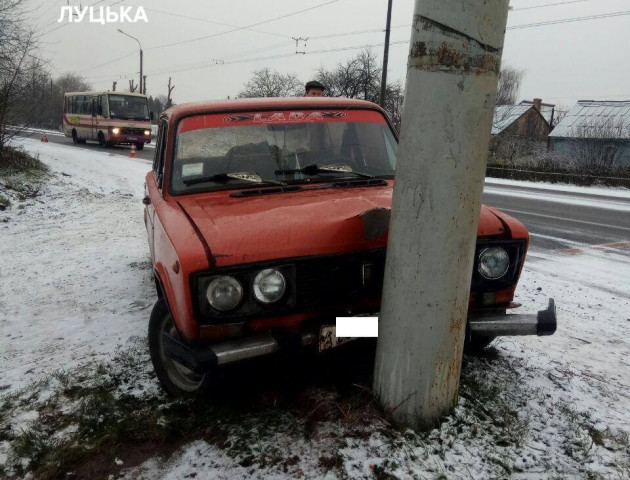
565	219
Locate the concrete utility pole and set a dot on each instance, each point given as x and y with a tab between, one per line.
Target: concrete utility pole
452	77
388	28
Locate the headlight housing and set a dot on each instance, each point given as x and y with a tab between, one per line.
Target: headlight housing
115	130
147	132
493	263
224	293
269	286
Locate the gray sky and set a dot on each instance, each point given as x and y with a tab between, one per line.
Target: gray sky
562	62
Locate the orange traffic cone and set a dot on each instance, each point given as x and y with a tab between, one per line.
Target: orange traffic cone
132	153
44	137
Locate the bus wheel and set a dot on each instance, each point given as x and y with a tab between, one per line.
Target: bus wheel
75	139
139	146
101	139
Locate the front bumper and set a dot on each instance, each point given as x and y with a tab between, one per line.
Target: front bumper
203	358
542	323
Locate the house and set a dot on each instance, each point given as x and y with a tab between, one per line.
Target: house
525	121
595	131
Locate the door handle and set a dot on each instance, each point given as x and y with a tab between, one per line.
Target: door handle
146	201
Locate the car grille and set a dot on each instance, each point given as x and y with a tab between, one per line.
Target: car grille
133	131
340	279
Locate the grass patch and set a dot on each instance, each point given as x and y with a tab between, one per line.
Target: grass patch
21	176
81	421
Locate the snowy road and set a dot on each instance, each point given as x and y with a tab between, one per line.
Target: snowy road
563	217
76	285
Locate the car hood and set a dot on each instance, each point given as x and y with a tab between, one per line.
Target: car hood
253	229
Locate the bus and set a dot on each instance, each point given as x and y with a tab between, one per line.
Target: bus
110	118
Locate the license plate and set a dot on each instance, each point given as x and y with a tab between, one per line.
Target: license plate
328	338
132	138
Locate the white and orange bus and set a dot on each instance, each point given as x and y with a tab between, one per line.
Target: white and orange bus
109	118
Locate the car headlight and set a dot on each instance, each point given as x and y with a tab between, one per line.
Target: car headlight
493	263
116	131
269	286
224	293
147	132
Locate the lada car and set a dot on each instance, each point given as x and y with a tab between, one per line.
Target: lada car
268	218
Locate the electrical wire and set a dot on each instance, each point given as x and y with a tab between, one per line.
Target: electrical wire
191	40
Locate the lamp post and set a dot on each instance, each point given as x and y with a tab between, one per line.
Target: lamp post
141	54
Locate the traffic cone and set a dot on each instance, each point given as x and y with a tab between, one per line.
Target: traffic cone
44	137
132	153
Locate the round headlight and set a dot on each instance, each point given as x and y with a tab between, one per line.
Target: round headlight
224	293
269	286
493	263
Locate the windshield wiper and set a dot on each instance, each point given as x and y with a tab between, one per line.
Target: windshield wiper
315	169
252	177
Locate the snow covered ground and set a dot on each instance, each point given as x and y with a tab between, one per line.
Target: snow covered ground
76	290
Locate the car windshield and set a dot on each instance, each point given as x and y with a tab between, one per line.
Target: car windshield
277	145
128	107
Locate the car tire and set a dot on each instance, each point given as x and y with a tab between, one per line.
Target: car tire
139	146
176	379
475	345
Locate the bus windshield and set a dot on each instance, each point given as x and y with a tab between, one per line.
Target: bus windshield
127	107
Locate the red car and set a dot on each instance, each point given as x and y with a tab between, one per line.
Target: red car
267	218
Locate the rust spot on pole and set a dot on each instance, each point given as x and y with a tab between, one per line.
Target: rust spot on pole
456	53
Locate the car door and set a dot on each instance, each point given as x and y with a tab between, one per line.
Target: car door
156	179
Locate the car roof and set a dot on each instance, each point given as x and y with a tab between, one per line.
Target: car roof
275	103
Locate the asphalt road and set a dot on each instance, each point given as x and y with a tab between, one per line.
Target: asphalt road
556	219
563	220
146	154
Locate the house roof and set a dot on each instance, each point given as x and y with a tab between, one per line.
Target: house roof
506	115
595	119
546	109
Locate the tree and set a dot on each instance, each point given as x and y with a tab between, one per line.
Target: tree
21	70
510	80
360	77
271	83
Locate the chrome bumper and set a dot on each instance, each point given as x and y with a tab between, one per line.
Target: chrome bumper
542	323
203	358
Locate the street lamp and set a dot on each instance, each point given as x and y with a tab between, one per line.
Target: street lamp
130	36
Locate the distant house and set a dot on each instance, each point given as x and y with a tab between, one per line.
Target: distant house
526	121
599	128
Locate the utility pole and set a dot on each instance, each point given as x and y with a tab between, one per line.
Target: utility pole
452	77
386	53
114	86
141	57
144	85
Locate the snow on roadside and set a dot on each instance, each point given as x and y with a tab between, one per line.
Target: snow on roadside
76	284
76	281
620	192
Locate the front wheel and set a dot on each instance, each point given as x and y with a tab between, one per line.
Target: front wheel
139	146
175	378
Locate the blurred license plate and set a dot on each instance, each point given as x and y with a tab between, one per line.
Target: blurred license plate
328	338
132	138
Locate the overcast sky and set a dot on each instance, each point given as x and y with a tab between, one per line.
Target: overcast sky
562	62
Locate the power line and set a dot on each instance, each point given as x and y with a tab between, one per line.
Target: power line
182	42
550	5
172	14
569	20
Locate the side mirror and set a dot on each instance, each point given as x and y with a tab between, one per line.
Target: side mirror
151	116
